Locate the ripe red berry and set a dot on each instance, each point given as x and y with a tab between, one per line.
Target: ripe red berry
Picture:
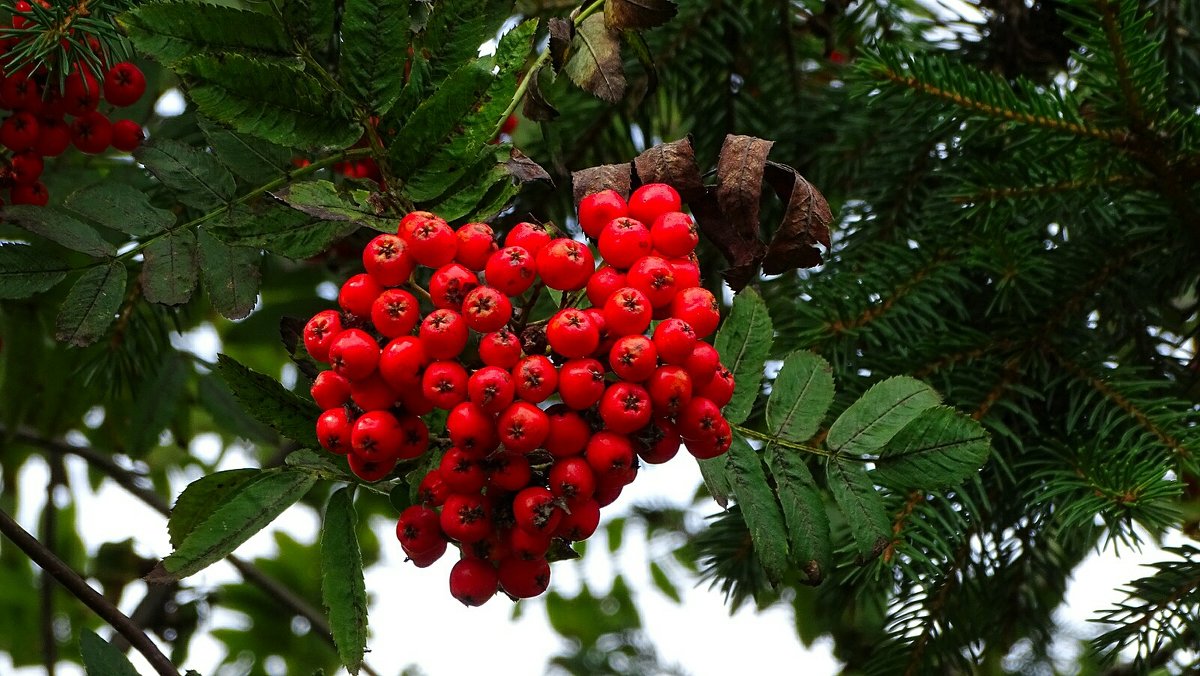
535	378
444	333
633	358
572	479
659	442
491	388
370	470
486	309
654	277
569	432
444	384
432	242
609	455
432	491
511	270
536	510
608	490
597	209
26	168
376	436
333	430
674	234
581	383
508	471
450	285
476	244
330	390
603	284
527	545
565	264
524	579
472	429
401	363
372	393
354	354
124	84
625	407
419	529
320	331
474	581
623	241
462	472
702	364
34	193
388	260
670	389
410	221
719	388
81	92
91	132
713	442
19	132
687	272
652	200
358	294
628	311
414	436
698	418
21	92
572	333
426	559
500	348
698	307
581	522
127	135
395	313
466	518
523	427
529	236
674	340
54	137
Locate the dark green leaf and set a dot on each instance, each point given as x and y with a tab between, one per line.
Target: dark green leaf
197	177
595	63
342	587
456	29
860	503
215	397
869	423
804	513
800	397
60	229
121	207
375	38
101	658
941	447
251	508
232	275
438	116
744	342
157	402
269	402
252	159
316	463
25	271
202	497
169	271
759	508
91	304
659	577
329	202
717	479
247	95
280	231
638	14
170	31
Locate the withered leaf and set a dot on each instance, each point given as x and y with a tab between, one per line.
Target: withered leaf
805	222
638	14
672	163
524	169
642	50
740	182
604	177
562	32
536	107
595	65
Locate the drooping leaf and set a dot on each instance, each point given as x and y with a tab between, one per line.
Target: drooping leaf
245	94
198	178
759	508
252	159
169	272
342	586
638	14
25	271
251	508
156	403
121	207
717	479
562	33
809	537
869	423
375	38
805	223
231	274
595	63
171	31
618	177
536	106
269	402
940	447
201	497
438	116
861	504
281	231
800	396
329	202
673	163
744	342
60	229
91	304
101	658
456	29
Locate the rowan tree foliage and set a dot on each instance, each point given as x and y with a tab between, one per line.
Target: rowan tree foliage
956	247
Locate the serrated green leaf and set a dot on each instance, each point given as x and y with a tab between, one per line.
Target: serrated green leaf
101	658
252	159
198	178
156	403
202	497
285	232
941	447
330	202
316	463
438	116
342	586
375	38
60	229
595	63
91	304
255	505
716	479
463	197
763	517
25	271
215	397
269	402
169	271
456	28
120	207
246	94
659	577
231	274
869	423
744	342
170	31
800	397
861	504
809	537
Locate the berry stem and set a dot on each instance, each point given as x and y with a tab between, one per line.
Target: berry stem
772	439
528	306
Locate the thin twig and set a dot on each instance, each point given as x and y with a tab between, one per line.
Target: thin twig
81	590
50	534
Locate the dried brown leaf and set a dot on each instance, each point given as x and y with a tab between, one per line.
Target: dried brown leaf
805	222
595	65
562	32
524	169
536	107
740	172
604	177
672	163
638	14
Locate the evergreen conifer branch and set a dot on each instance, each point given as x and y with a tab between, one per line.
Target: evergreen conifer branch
1160	612
1049	189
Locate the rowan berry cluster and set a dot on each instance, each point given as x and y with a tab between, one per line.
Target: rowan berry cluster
38	125
546	420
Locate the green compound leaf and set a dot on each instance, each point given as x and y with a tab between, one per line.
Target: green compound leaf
863	507
251	159
595	64
250	509
941	447
759	508
231	274
744	342
91	304
25	271
201	497
101	658
328	202
171	31
198	178
438	117
269	402
169	271
60	229
809	536
285	232
120	207
342	586
869	423
800	397
375	36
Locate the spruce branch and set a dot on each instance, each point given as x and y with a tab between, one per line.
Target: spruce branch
1045	189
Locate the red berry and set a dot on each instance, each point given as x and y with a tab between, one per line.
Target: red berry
388	260
426	559
461	472
581	383
572	479
413	400
81	92
395	313
444	384
493	548
581	522
414	436
529	236
372	393
419	529
627	312
476	244
508	471
702	364
652	200
524	579
609	455
698	307
432	490
19	132
535	378
333	430
450	285
597	209
713	442
444	333
527	545
698	418
491	388
674	234
659	442
432	242
127	135
670	389
511	270
565	264
91	132
401	363
486	309
54	137
536	510
466	518
474	581
633	358
623	241
674	340
376	436
124	84
35	194
719	388
603	284
569	432
358	294
330	390
354	354
608	490
26	168
654	277
572	333
410	221
370	470
523	427
500	348
625	407
472	429
319	333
